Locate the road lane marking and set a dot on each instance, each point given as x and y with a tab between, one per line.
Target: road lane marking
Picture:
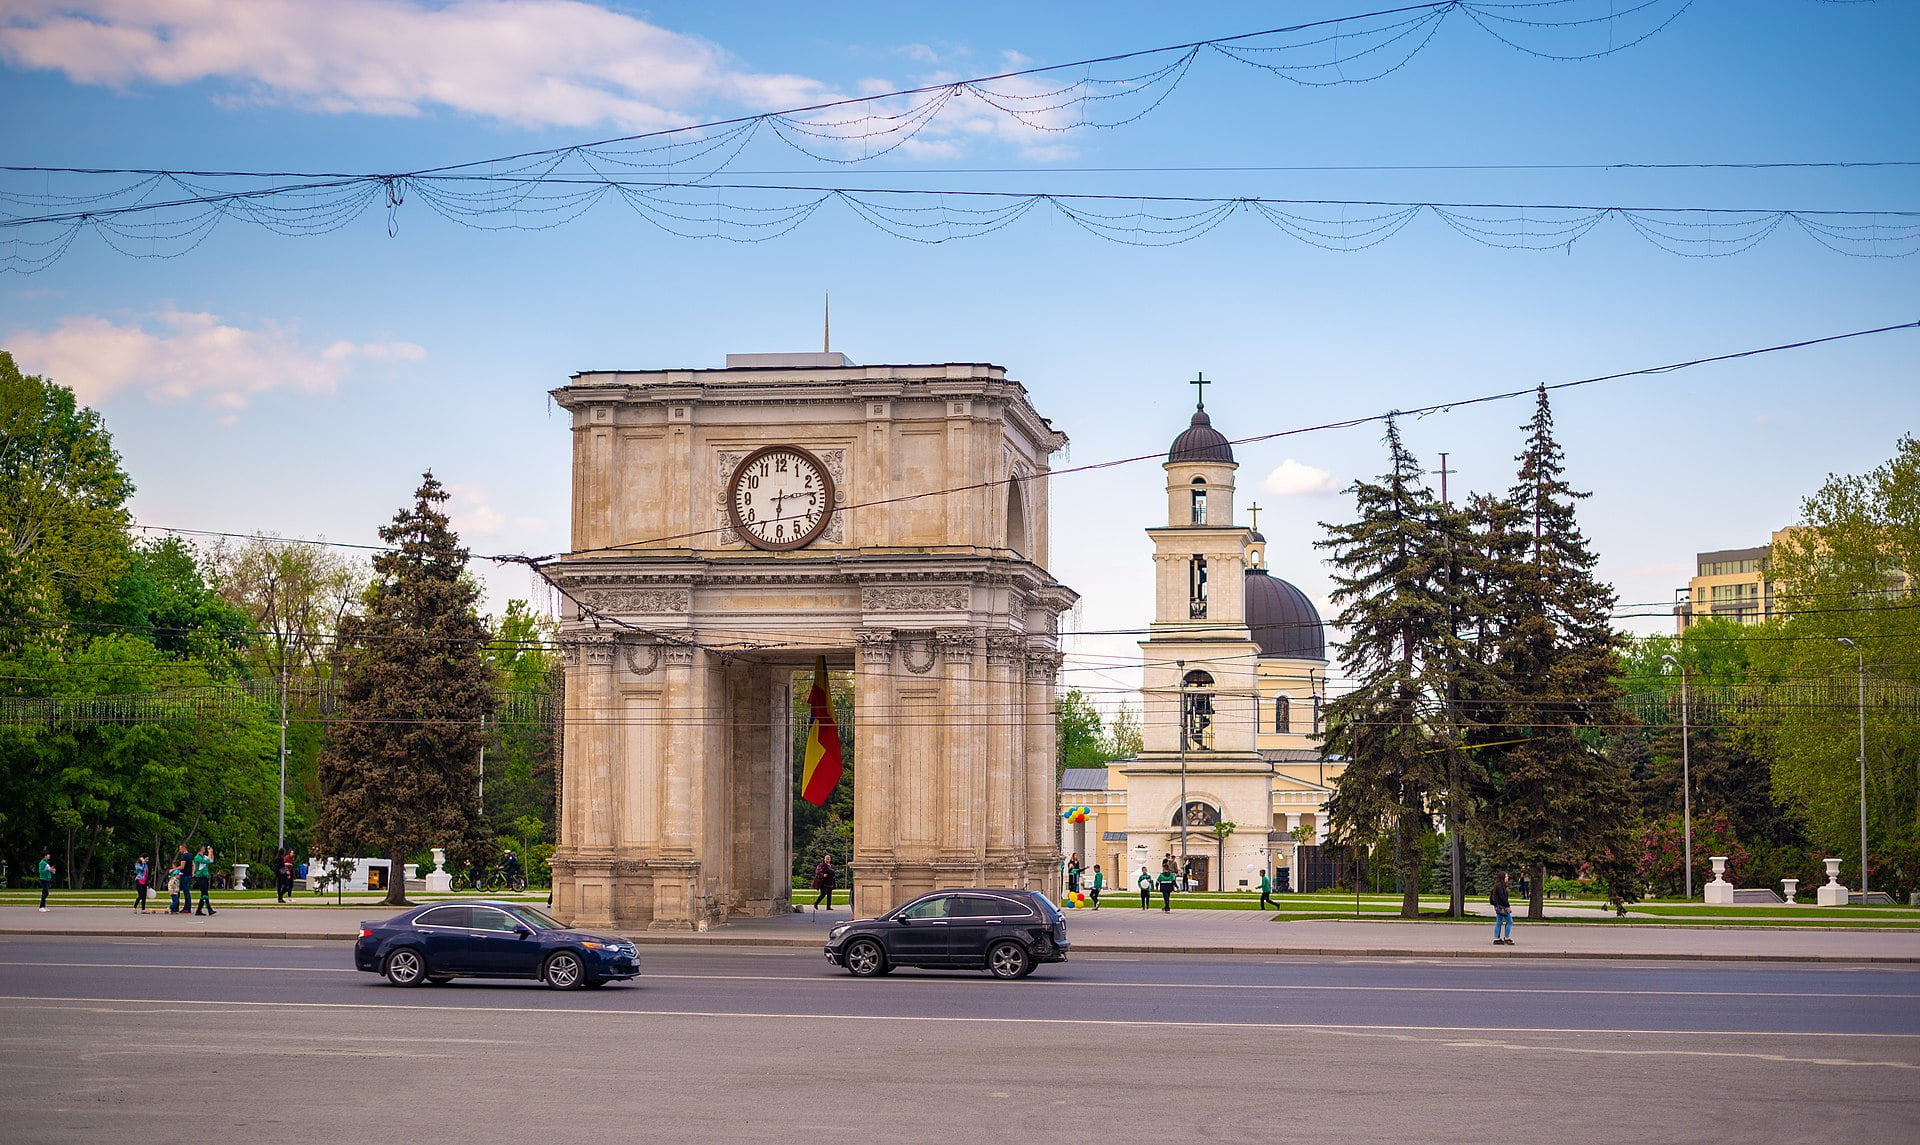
29	1002
911	982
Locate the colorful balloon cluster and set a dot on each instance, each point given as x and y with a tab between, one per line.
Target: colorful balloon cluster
1073	900
1076	814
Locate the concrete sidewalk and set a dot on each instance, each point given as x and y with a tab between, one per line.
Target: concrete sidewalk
1115	930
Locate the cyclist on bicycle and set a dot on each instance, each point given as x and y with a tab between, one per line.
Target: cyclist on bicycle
510	866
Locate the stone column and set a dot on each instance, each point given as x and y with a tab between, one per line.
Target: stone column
962	759
583	868
874	792
1006	792
1043	786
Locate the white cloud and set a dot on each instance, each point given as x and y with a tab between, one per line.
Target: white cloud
470	506
1295	479
529	62
179	355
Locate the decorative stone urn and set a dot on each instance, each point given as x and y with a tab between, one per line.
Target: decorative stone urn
438	879
413	873
1833	894
1719	892
1789	888
240	876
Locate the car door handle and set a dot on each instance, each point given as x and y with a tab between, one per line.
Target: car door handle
936	922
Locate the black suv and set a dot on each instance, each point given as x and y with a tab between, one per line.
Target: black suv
1006	933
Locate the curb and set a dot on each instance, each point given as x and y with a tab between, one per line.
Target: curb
683	938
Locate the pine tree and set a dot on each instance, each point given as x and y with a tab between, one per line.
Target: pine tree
1392	585
1551	794
399	773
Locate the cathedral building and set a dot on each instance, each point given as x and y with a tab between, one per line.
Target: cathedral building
1234	676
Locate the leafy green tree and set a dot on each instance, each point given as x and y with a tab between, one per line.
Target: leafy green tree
1082	735
400	769
1852	569
1391	587
521	781
1125	732
1552	795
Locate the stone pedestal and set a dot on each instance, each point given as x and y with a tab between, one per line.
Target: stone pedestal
1719	892
1833	894
1789	888
240	876
438	879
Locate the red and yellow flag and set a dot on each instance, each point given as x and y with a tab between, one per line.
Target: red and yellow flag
820	773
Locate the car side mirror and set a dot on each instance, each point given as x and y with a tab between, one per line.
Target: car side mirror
522	931
902	919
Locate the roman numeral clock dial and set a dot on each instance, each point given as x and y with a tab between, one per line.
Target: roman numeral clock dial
780	497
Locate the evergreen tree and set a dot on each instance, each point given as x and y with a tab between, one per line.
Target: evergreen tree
399	773
1551	794
1391	583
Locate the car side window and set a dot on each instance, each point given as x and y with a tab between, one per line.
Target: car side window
487	918
940	906
454	916
997	908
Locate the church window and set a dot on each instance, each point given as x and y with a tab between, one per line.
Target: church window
1199	501
1197	813
1282	714
1197	587
1196	721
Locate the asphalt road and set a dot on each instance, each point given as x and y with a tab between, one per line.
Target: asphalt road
244	1041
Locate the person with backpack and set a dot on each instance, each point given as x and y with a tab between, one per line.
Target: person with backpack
175	884
1502	911
141	873
1167	880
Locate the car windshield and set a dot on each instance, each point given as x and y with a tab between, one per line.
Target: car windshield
539	919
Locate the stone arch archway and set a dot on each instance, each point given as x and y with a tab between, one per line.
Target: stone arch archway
684	631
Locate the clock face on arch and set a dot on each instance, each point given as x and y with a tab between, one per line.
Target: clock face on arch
780	497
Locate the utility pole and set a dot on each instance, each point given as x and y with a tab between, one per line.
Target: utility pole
1456	841
1686	773
1180	671
483	766
283	754
1861	664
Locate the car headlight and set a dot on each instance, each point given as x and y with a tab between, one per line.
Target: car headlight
836	932
591	945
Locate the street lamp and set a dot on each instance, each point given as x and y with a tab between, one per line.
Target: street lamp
1686	773
1860	659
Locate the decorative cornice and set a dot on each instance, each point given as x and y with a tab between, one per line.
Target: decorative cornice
637	600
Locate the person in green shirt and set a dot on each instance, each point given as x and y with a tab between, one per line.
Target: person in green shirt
46	879
1094	884
1167	880
1266	891
203	879
1145	883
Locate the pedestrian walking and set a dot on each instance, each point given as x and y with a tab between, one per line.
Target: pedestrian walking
825	878
1073	872
1145	883
1095	882
1266	891
46	879
1502	911
175	885
283	876
203	879
1186	876
1167	879
141	873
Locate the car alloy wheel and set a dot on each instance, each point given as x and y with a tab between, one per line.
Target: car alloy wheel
405	967
865	958
1008	960
564	971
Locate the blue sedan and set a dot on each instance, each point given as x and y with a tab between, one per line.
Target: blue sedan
483	939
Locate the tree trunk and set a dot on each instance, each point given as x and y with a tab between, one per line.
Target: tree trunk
1537	898
396	881
1407	846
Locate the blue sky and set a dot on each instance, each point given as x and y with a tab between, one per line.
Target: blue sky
299	385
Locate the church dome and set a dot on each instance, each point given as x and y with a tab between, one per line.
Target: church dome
1200	442
1284	622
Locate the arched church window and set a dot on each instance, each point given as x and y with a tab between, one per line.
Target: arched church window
1199	501
1197	587
1196	705
1016	520
1197	813
1282	714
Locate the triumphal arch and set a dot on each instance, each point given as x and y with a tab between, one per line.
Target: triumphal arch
731	525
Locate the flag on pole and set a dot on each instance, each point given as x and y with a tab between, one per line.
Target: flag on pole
820	773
